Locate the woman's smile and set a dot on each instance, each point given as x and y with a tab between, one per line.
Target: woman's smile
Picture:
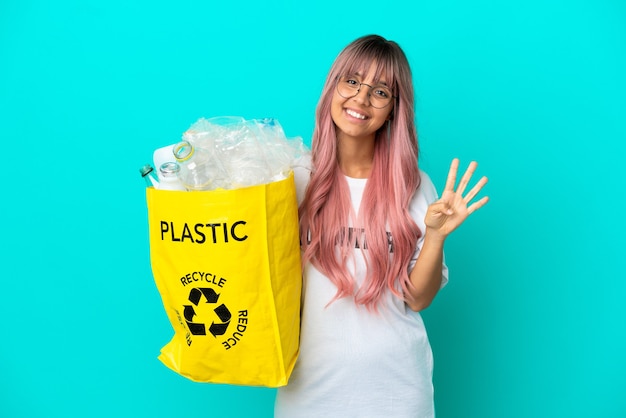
356	114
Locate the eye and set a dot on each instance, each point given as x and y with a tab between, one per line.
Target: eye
381	92
351	82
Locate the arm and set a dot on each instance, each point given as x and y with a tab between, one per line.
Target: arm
442	217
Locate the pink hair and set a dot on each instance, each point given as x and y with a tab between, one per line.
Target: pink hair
326	208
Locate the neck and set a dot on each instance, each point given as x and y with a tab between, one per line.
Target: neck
356	156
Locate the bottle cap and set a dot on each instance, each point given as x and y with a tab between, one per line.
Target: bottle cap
145	170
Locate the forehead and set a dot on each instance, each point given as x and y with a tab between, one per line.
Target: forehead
374	71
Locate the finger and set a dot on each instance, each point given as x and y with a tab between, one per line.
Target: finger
451	181
466	177
441	207
477	205
472	193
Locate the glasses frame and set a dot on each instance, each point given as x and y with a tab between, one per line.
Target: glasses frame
361	84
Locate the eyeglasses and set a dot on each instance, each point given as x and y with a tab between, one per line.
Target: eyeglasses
379	95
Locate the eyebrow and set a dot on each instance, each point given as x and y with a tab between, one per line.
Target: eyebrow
379	82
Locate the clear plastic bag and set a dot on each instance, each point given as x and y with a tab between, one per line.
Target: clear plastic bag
245	152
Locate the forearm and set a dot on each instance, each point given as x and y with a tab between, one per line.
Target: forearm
426	275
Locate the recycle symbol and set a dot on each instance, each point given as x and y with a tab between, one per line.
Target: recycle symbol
222	312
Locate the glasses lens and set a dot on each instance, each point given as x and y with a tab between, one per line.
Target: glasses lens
348	87
379	95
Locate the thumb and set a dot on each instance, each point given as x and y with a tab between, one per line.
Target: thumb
441	207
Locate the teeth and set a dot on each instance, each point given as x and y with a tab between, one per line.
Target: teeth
355	114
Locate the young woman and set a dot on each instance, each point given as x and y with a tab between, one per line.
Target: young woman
372	234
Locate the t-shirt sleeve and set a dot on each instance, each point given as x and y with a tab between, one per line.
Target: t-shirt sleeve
424	196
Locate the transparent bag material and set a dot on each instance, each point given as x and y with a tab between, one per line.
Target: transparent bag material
245	152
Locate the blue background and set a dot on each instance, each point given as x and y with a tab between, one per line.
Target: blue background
532	322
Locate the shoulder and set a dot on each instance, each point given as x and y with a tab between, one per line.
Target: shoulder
427	188
425	194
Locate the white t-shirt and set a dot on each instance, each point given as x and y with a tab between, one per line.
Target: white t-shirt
354	362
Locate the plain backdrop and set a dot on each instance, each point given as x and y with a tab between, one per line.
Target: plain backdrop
532	322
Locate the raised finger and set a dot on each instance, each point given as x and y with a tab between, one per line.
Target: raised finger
477	187
478	204
466	177
451	181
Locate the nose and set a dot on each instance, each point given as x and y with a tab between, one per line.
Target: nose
363	94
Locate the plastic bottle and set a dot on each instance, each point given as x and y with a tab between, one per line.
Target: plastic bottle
199	169
147	172
168	177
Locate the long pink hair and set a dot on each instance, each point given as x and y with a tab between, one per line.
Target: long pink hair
326	208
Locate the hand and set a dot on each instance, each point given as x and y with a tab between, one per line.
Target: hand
447	213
